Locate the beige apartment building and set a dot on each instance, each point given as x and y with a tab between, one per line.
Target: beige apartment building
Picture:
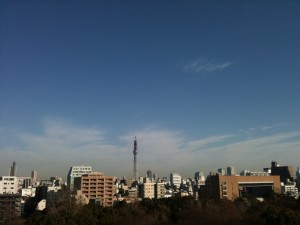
147	190
231	187
98	187
160	190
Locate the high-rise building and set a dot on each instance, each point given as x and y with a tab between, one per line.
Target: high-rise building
13	170
135	152
286	173
175	180
230	171
34	178
222	171
77	171
95	186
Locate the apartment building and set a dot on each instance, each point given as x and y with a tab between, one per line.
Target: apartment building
9	185
147	190
159	190
98	187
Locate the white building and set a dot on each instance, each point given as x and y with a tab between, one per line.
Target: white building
289	189
8	185
77	171
230	171
28	192
175	180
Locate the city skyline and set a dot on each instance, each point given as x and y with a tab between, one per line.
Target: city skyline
202	85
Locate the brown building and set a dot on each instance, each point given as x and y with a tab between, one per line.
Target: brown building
231	187
98	187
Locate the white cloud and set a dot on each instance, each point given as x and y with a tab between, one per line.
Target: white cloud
205	65
61	145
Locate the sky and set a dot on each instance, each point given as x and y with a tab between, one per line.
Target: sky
201	84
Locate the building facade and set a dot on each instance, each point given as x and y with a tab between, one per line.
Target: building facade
159	190
9	185
147	190
10	207
231	187
98	187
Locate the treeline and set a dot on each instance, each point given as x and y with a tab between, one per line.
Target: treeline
279	210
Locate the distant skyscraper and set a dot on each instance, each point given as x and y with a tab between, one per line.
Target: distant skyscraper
230	171
13	170
34	178
135	152
149	174
34	175
222	171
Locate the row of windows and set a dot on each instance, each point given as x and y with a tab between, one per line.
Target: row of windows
82	168
10	179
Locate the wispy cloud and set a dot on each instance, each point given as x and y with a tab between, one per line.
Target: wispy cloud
262	128
203	65
199	144
61	145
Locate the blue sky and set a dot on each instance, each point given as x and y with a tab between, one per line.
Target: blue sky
202	84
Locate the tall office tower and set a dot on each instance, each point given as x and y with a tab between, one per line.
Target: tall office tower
77	171
175	180
230	171
34	175
13	170
135	152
